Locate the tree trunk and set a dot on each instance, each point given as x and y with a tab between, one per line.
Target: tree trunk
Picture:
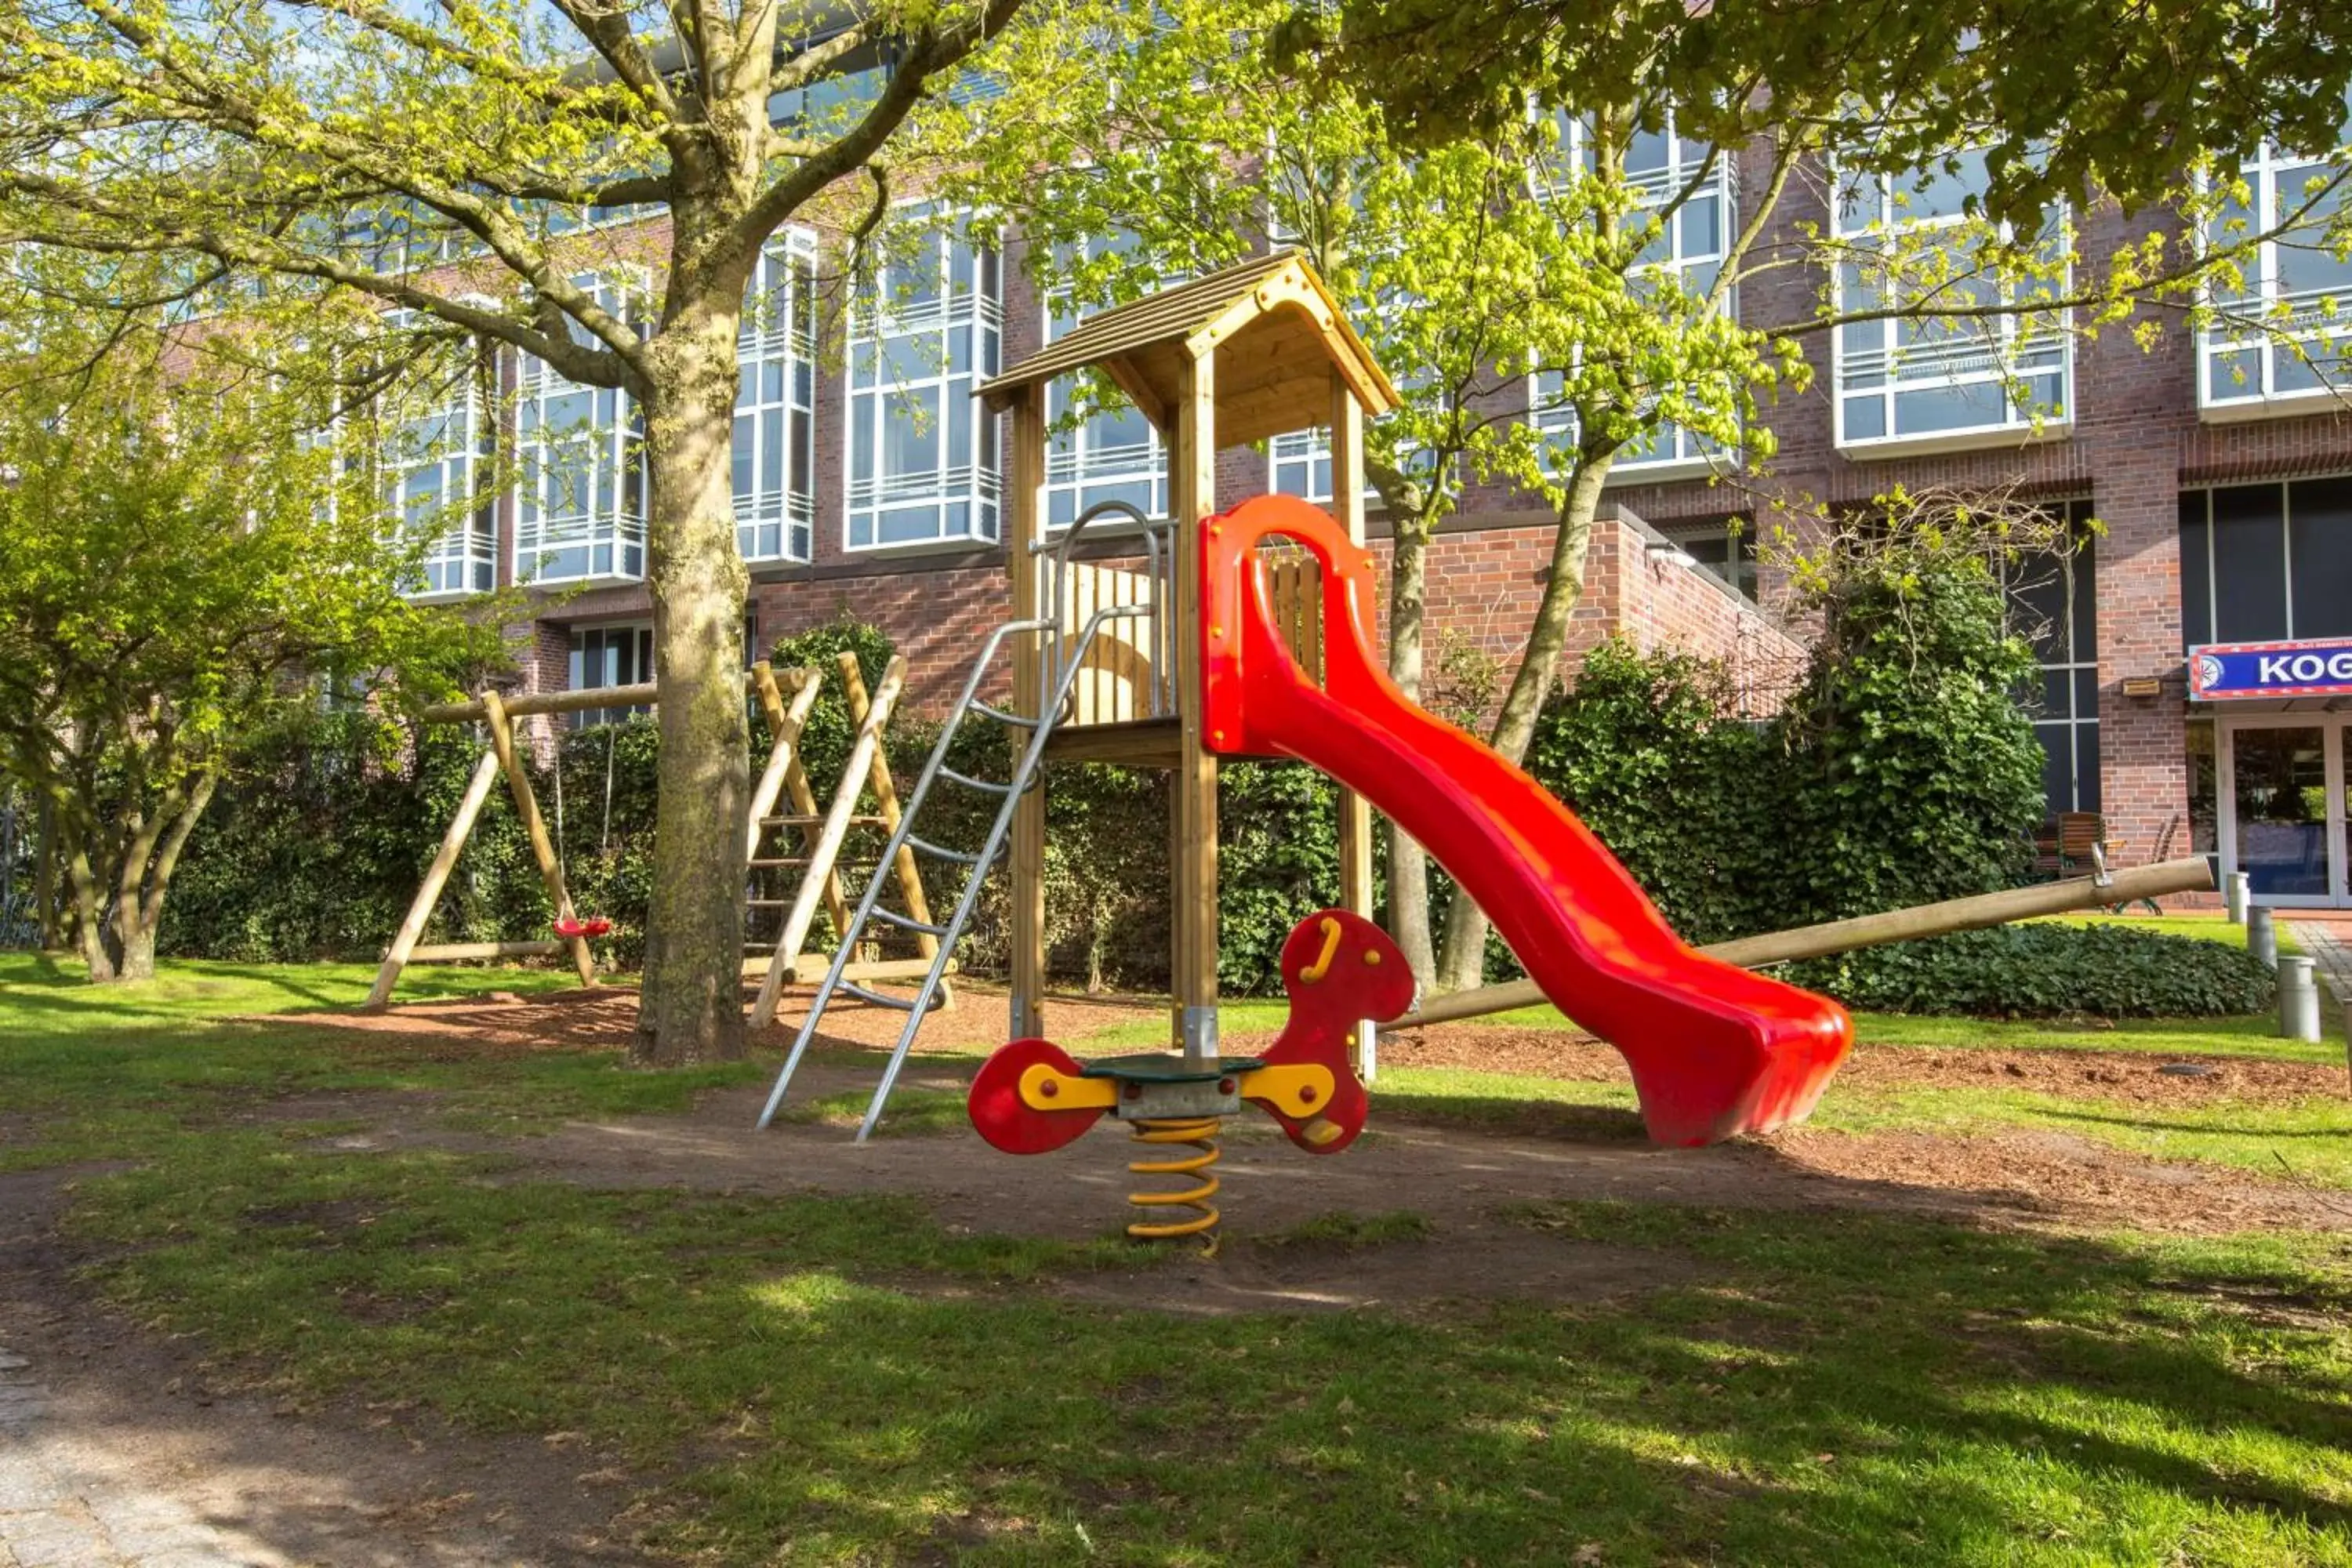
1462	962
91	927
692	1004
1408	862
48	913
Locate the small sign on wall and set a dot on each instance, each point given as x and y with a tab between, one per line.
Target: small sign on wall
2219	671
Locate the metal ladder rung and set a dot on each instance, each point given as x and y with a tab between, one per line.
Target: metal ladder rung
925	846
806	821
905	923
756	862
881	998
969	783
1000	716
767	904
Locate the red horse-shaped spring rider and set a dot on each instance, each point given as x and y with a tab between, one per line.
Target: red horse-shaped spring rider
1339	968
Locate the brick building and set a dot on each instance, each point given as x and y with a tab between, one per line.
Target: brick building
2220	469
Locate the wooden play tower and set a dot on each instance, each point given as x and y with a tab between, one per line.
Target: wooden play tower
1233	359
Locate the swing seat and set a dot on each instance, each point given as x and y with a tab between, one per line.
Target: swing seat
594	925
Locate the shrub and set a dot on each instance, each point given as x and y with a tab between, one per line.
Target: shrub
1644	748
1909	773
2045	971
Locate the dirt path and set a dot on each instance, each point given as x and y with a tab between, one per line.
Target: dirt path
120	1447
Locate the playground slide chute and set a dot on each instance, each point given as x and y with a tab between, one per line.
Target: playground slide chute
1715	1050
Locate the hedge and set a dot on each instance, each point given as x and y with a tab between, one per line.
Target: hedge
2046	970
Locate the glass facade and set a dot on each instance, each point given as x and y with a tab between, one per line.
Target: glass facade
1112	454
1688	247
2052	601
430	488
1299	464
2265	562
774	444
922	452
580	502
1904	378
2280	330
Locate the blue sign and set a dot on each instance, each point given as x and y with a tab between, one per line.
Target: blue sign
2227	669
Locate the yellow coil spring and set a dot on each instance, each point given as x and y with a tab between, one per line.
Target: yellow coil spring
1201	1133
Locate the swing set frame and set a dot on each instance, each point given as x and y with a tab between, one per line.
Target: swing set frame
820	835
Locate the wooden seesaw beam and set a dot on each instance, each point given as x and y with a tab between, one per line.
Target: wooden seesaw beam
2193	875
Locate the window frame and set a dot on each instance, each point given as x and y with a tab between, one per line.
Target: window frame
1688	454
2214	344
779	329
976	484
615	519
2010	346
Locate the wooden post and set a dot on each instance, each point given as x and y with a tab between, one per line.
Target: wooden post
885	794
550	869
1025	515
436	876
784	728
1355	812
2193	875
1194	782
828	844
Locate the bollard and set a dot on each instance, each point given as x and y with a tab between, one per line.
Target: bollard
2298	1000
2261	935
2236	895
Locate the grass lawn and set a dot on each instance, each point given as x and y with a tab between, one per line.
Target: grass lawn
830	1380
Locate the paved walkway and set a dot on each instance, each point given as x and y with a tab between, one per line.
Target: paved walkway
2329	945
59	1508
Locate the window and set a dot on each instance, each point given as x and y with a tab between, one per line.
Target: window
775	404
1688	248
922	451
2266	562
1728	552
1942	378
620	655
2052	601
1113	454
1302	466
579	512
2279	333
429	488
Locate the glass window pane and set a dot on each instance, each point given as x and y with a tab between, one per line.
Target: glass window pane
2249	564
2319	513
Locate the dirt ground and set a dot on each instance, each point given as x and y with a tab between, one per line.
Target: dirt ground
1455	1173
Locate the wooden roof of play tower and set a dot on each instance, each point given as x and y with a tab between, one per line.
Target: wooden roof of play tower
1273	329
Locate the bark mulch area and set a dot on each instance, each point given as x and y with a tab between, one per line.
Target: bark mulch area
605	1017
2129	1078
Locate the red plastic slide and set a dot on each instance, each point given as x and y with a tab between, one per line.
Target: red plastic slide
1715	1050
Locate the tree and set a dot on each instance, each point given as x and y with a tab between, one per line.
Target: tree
2063	96
452	162
165	591
1461	272
1555	248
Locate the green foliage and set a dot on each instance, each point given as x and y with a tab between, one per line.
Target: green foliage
1644	748
2046	970
1909	773
2217	75
319	844
165	596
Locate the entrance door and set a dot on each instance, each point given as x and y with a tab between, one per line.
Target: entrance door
2282	807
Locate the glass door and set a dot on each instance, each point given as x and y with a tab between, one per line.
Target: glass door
2283	808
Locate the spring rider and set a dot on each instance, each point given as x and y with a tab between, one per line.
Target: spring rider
1032	1095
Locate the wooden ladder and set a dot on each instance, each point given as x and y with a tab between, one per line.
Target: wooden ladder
822	834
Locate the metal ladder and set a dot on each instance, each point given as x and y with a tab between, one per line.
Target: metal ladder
1066	657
